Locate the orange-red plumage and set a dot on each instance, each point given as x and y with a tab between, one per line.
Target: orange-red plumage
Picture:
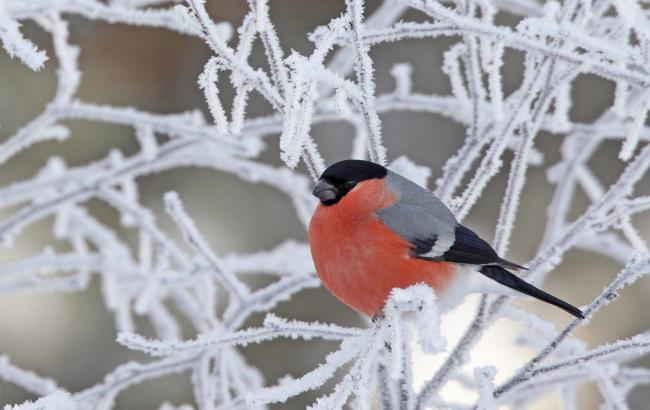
359	259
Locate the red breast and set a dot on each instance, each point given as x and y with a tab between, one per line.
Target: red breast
359	259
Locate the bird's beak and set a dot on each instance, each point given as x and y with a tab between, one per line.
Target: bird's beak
325	191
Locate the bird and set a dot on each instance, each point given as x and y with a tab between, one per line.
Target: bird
375	230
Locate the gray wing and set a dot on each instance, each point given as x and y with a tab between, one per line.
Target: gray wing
422	219
419	217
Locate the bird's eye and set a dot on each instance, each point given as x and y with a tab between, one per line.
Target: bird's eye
349	185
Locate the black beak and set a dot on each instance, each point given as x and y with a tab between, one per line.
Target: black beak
325	191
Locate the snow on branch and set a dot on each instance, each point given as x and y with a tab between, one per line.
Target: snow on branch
18	46
159	279
28	380
58	400
273	327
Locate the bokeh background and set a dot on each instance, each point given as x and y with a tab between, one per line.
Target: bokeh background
70	337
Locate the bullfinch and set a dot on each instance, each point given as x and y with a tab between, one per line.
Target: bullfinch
375	230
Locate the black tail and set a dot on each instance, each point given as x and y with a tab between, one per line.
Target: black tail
509	265
497	273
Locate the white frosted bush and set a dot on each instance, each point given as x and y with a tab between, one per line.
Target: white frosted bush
559	42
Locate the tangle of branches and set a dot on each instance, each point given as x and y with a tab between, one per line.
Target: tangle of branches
334	82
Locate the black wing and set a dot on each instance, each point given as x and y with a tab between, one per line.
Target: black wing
470	249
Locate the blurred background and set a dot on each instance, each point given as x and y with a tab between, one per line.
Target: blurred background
70	337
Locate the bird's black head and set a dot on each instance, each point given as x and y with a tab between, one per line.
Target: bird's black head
339	178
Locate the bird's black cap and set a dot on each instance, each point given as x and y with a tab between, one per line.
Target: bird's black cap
353	170
341	177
